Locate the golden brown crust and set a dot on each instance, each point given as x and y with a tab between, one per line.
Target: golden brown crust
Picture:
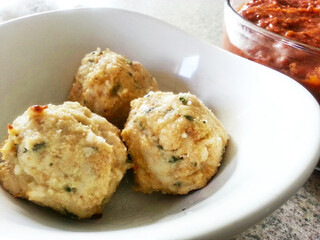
106	82
63	157
176	143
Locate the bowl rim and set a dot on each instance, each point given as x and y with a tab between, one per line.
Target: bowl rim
206	229
290	42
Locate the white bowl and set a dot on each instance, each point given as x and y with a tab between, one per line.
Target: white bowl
274	125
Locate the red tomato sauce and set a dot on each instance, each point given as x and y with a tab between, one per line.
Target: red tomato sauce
298	20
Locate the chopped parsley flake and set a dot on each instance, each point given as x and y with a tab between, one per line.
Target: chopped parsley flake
70	189
38	146
174	159
177	184
183	100
95	148
160	147
190	118
150	109
115	89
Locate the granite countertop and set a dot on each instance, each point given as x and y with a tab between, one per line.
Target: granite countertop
299	217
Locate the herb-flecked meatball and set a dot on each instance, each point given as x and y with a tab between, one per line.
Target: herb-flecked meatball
175	142
106	82
63	157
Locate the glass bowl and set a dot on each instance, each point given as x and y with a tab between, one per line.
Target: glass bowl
297	60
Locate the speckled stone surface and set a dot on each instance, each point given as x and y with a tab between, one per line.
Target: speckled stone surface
299	217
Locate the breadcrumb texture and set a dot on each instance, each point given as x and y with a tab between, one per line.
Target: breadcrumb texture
176	143
64	157
106	82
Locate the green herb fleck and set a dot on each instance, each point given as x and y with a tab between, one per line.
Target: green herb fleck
130	74
137	85
115	89
70	214
84	102
95	148
177	184
38	146
129	62
204	121
183	100
25	150
50	164
70	189
91	60
129	159
190	118
149	110
174	159
160	147
195	164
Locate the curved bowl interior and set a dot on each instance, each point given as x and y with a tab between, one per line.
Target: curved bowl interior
273	123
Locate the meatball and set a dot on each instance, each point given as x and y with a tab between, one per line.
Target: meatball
64	157
175	142
106	82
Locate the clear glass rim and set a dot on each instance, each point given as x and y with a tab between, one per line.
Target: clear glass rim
292	43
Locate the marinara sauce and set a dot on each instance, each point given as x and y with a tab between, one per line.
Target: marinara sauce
298	20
